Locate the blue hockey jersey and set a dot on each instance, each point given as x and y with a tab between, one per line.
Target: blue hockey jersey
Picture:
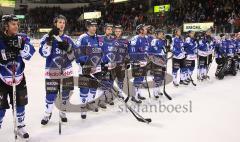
206	47
190	47
138	48
231	48
26	52
157	47
149	39
58	63
109	51
221	48
178	48
122	46
238	45
157	52
90	52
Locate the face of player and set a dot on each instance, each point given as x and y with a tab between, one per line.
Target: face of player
108	31
238	35
233	37
160	35
12	28
61	23
192	34
118	32
92	29
227	36
178	33
145	30
149	30
223	37
209	33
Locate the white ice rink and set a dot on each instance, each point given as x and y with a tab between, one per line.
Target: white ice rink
215	115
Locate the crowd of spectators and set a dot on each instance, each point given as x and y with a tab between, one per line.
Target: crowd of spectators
224	13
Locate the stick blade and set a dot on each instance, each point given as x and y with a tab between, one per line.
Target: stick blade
165	93
146	120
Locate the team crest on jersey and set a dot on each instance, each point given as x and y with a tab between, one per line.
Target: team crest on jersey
100	43
9	67
111	48
111	57
95	60
59	62
116	44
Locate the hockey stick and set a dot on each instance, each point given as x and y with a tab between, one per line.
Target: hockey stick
128	88
60	97
164	84
134	113
208	68
137	115
208	65
198	67
164	88
148	87
14	111
194	84
60	87
198	59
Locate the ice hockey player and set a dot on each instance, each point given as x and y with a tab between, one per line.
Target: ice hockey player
178	59
205	53
122	58
14	48
157	51
221	57
150	36
232	55
150	33
190	47
108	64
238	48
57	47
137	52
89	58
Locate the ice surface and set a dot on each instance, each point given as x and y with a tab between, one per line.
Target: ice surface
215	115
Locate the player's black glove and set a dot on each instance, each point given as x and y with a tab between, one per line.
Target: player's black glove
164	69
104	68
65	46
169	38
168	48
128	66
54	31
127	63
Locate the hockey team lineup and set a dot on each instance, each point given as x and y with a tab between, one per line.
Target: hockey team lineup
111	70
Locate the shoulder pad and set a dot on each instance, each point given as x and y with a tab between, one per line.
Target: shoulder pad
134	39
154	41
188	39
44	38
24	36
